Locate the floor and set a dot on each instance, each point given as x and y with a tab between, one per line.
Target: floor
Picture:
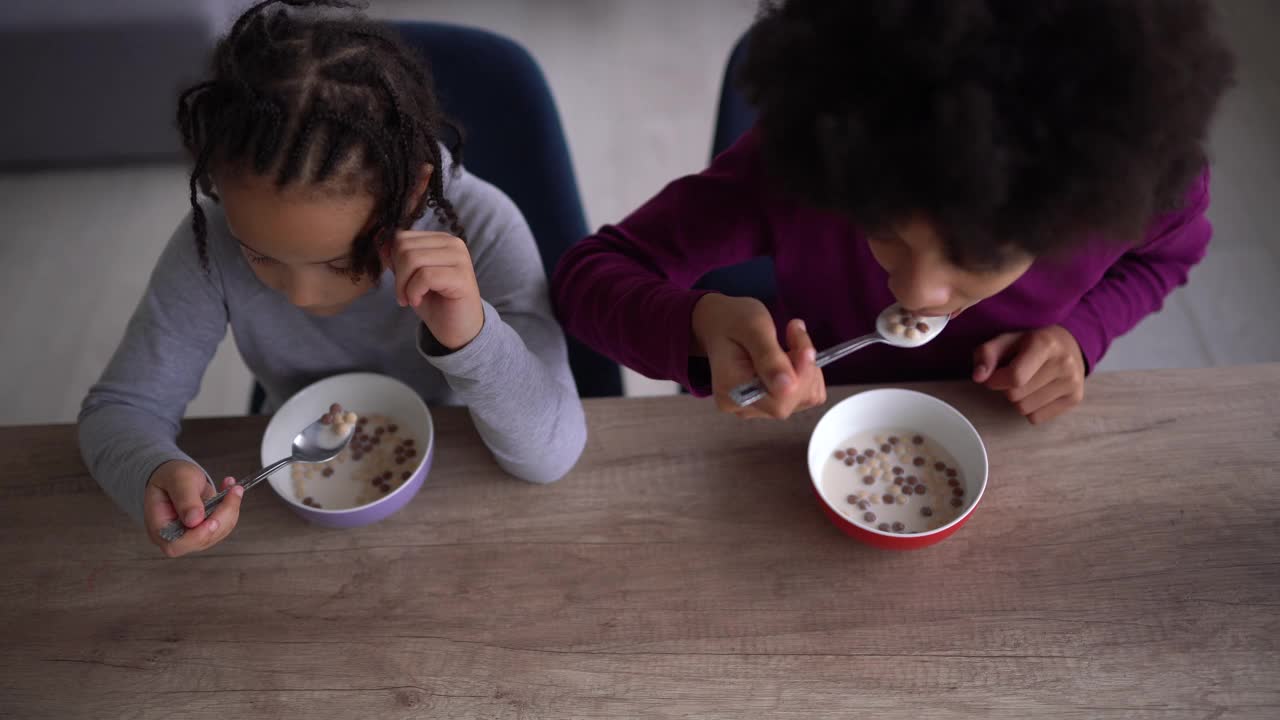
80	244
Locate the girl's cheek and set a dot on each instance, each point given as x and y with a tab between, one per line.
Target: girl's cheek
985	287
881	256
268	278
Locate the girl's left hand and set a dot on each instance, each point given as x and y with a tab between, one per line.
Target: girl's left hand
434	276
1044	376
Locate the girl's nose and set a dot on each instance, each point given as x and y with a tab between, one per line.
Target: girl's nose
920	288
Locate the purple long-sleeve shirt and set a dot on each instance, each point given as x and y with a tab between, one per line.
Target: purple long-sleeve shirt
626	291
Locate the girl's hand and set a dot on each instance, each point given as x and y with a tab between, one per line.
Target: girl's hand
740	342
434	276
178	489
1045	376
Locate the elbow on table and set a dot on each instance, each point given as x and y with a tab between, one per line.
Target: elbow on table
556	458
543	472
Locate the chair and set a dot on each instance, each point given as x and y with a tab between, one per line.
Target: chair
495	90
734	117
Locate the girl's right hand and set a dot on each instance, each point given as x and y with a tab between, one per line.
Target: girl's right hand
178	489
740	342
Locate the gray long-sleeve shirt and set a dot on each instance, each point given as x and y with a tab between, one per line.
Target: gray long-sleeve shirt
514	376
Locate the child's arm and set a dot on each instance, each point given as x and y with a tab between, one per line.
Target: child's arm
131	417
625	291
1137	284
514	375
1045	374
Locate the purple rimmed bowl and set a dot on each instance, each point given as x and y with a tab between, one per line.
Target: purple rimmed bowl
366	394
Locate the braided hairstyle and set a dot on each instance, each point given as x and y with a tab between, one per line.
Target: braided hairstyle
332	103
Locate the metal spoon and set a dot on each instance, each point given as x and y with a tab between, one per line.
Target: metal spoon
318	442
750	392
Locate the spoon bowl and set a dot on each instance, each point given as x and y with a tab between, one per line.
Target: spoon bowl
902	328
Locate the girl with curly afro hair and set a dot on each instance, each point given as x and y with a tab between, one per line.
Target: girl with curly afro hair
1038	166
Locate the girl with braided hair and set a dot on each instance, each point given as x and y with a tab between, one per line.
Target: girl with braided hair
332	230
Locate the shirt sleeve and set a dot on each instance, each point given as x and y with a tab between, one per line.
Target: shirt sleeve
626	291
131	417
514	376
1138	283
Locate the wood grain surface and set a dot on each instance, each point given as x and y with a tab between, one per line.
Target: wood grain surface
1125	562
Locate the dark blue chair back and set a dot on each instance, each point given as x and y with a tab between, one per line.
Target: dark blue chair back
734	117
495	90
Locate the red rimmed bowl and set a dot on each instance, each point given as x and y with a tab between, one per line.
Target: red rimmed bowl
874	410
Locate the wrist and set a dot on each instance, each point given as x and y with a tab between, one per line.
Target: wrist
163	469
461	331
1069	343
704	321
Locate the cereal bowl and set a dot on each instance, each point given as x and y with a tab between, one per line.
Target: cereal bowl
382	468
897	469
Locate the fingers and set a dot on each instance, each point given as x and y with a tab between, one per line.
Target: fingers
226	515
740	340
804	357
799	342
213	529
771	364
1055	408
187	497
157	511
444	280
989	355
414	250
424	236
751	412
805	387
1058	388
1046	375
1032	353
175	478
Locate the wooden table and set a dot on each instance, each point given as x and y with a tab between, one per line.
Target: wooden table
1125	563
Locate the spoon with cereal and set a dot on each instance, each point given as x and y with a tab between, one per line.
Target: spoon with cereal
895	326
321	441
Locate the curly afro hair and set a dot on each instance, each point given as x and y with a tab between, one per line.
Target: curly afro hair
1012	125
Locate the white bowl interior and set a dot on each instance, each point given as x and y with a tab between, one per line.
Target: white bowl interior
365	393
909	410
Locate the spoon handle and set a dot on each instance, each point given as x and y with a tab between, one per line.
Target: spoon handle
176	529
750	392
848	347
